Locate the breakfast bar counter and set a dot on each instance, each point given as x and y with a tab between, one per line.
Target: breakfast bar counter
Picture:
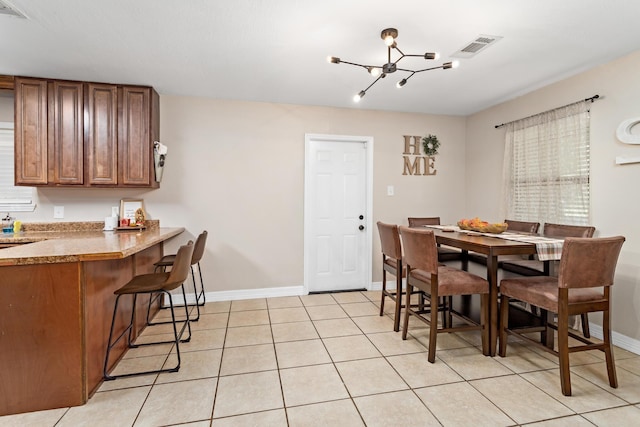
56	303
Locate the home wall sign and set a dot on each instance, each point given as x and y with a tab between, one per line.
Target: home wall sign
414	163
624	135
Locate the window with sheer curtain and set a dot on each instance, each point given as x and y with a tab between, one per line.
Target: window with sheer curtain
546	167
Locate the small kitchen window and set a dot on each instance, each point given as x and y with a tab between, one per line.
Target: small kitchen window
12	198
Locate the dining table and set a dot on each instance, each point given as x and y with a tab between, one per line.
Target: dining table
494	246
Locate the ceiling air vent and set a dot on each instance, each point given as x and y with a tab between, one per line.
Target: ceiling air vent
474	47
7	9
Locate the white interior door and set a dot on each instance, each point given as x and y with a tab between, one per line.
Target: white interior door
337	213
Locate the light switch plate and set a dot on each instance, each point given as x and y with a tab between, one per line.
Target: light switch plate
390	190
58	212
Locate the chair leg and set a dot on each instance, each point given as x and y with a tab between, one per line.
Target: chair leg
396	317
407	310
195	293
384	289
433	329
563	353
484	324
201	293
445	310
608	351
504	324
187	322
109	344
585	325
546	336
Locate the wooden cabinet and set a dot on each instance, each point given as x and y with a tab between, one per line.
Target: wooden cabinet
31	167
102	134
84	134
137	127
66	129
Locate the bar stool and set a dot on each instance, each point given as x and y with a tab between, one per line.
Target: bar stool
160	283
168	260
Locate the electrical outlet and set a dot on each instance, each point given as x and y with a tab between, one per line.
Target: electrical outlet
58	212
115	211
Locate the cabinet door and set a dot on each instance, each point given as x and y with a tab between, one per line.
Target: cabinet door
66	137
135	144
30	131
101	135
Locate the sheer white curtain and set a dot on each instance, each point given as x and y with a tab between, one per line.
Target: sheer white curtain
546	167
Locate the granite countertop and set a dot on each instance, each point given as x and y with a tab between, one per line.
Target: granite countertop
73	244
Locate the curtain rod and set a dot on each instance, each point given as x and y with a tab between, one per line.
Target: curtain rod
592	99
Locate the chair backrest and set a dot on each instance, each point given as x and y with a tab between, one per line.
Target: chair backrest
561	230
390	240
198	249
180	268
522	226
416	222
589	262
420	249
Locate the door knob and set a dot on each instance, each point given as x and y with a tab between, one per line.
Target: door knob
361	227
361	217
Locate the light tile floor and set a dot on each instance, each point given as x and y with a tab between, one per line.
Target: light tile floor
331	360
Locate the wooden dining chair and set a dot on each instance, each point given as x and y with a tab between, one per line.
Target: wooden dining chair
435	280
531	267
583	285
392	264
444	253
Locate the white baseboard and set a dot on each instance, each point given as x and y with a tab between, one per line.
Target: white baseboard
239	294
618	339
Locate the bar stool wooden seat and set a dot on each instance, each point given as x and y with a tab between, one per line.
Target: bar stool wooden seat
169	260
154	283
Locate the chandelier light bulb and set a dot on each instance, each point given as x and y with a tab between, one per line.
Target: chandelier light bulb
359	96
455	64
401	83
374	71
388	40
333	59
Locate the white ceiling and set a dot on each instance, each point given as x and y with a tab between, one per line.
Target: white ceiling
275	50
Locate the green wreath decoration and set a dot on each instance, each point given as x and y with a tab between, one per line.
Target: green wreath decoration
431	145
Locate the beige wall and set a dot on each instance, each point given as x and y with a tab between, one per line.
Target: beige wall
615	198
237	170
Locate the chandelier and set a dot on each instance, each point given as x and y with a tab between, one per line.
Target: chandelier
389	36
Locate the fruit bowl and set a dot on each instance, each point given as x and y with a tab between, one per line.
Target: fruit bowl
476	224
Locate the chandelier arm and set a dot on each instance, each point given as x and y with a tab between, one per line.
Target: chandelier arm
375	81
429	69
358	65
